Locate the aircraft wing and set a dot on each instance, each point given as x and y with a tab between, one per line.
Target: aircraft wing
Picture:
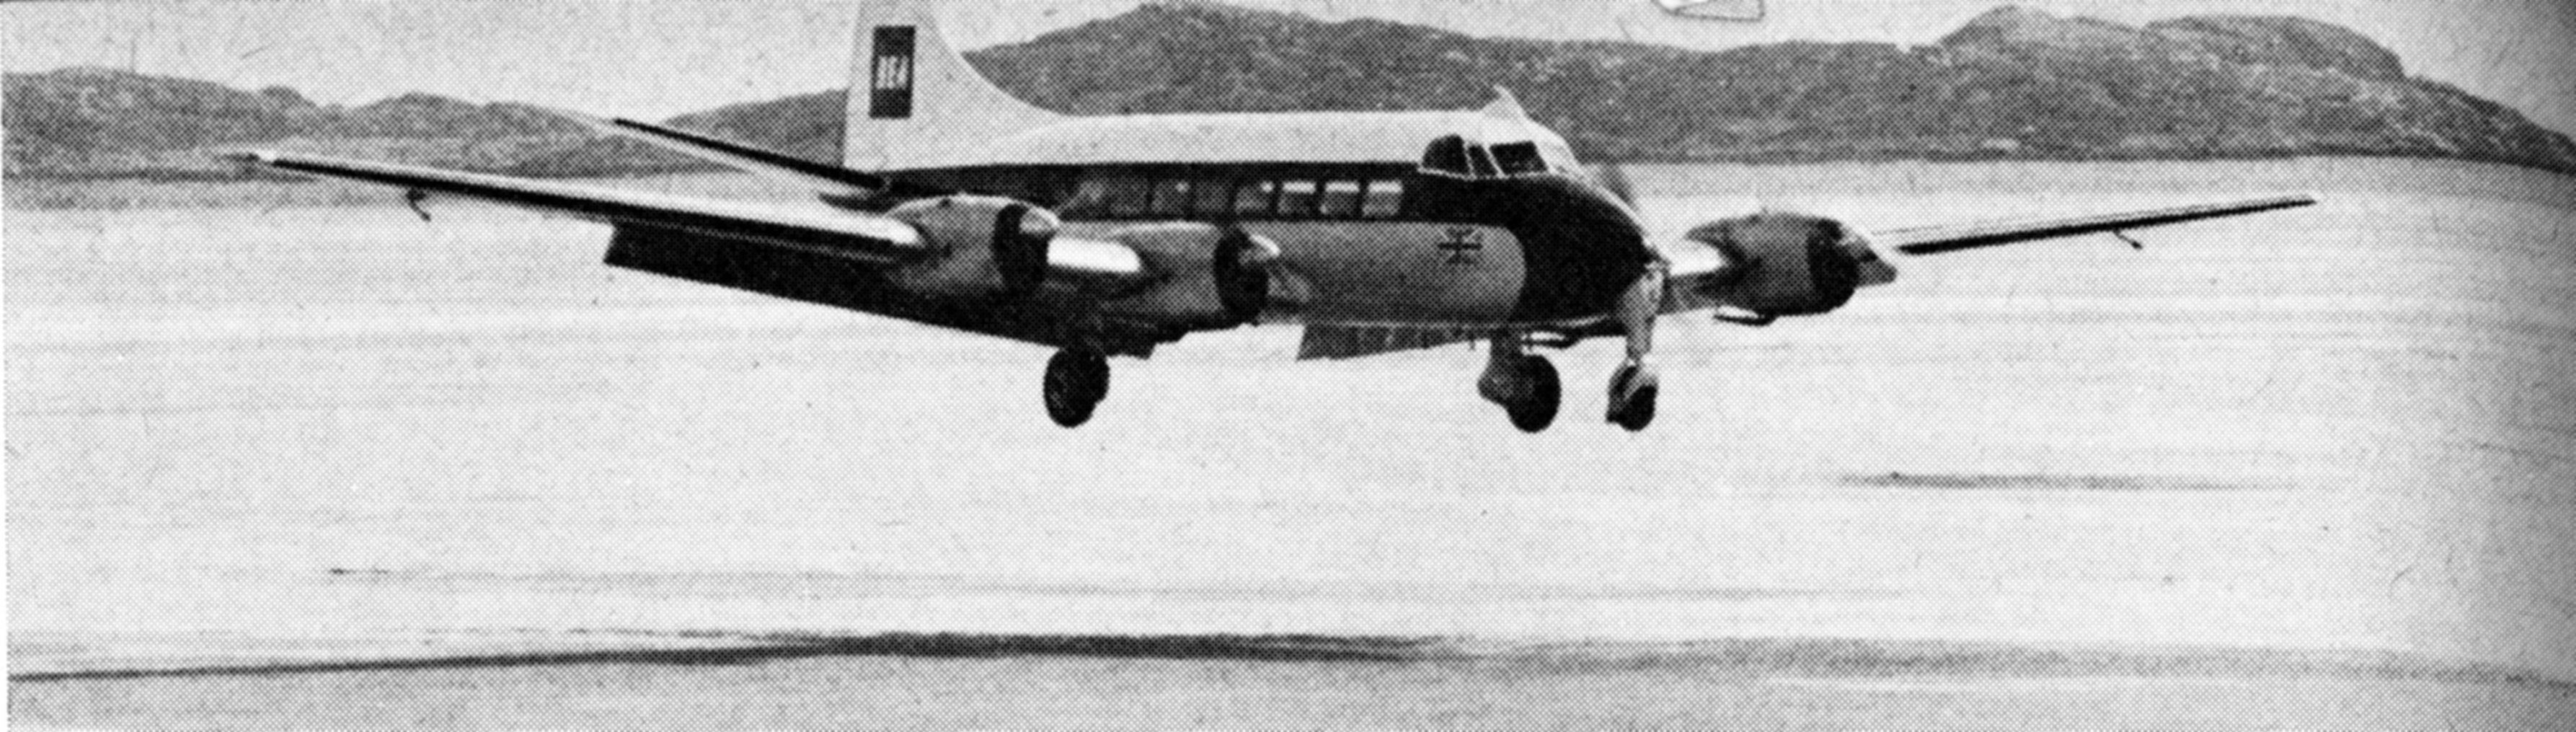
1942	239
1700	273
801	252
838	234
829	180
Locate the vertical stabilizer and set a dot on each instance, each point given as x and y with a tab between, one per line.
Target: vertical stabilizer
915	102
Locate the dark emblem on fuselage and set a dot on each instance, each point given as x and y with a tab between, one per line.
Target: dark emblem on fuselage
1465	245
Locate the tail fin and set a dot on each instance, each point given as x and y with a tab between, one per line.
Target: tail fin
915	102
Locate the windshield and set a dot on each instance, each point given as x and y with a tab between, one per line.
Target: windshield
1518	158
1453	155
1446	155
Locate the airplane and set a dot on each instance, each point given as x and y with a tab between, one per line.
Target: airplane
959	206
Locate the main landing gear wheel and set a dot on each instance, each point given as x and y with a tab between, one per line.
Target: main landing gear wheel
1539	410
1075	383
1632	397
1527	388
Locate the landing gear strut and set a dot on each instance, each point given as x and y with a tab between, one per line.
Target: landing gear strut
1524	383
1076	381
1633	387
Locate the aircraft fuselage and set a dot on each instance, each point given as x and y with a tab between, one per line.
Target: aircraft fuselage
1368	244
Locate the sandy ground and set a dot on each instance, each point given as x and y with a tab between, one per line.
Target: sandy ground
338	467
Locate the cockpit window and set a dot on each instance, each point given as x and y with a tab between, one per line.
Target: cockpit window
1448	154
1480	162
1454	155
1516	158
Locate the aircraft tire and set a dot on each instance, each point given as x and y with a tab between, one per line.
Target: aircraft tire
1638	412
1534	411
1632	405
1075	384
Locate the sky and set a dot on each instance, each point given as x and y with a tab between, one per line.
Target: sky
656	58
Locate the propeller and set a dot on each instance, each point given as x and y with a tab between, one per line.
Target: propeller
1021	233
1241	266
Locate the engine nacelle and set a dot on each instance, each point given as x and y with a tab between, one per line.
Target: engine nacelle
1221	276
1789	263
981	246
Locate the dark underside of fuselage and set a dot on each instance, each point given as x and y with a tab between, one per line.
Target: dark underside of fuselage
1580	247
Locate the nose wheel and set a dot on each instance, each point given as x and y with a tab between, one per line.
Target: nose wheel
1632	396
1075	384
1633	387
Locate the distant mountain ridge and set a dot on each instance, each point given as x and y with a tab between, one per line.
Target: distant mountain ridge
2011	84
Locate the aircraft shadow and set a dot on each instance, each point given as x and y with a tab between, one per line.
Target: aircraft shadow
766	648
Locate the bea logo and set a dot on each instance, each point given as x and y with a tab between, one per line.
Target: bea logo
890	73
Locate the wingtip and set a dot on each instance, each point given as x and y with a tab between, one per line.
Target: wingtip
2293	200
248	157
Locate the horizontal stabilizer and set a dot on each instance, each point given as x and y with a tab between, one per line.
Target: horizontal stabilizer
1941	239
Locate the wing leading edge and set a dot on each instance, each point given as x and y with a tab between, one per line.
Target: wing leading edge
812	253
839	234
1943	239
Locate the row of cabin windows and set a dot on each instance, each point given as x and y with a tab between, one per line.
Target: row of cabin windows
1374	199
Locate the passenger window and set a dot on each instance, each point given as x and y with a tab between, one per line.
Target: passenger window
1384	199
1516	158
1255	198
1341	198
1297	198
1171	197
1210	198
1126	196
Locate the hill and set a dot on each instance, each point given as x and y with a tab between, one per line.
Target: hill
2014	83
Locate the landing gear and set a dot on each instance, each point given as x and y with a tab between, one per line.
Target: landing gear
1632	396
1076	381
1523	383
1634	386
